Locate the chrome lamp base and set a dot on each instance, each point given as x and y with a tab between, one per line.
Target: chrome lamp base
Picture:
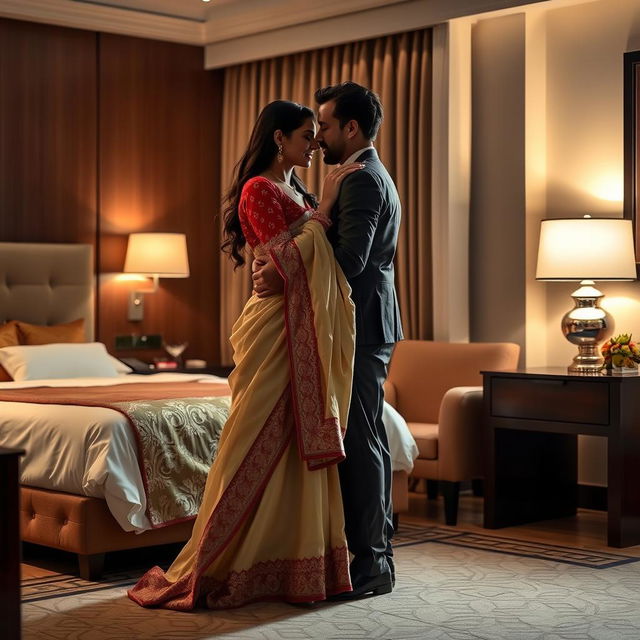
588	361
587	325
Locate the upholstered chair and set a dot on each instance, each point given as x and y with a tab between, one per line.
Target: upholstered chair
437	388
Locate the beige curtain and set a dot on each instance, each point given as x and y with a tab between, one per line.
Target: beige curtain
398	69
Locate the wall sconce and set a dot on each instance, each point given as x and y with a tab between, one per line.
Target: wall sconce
586	249
158	255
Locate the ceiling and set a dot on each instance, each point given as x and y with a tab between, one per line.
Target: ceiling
186	9
191	21
236	31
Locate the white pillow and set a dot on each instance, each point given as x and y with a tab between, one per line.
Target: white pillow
59	360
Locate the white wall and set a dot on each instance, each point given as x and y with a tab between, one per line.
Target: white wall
497	212
585	137
585	157
573	164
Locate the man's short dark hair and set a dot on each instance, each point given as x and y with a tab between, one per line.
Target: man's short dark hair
354	102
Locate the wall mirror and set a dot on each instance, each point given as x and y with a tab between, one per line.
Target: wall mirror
632	143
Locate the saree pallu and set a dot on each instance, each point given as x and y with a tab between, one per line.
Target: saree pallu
271	523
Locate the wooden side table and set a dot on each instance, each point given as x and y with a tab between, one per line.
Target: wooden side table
533	418
9	543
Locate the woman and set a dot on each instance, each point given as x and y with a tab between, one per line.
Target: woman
271	524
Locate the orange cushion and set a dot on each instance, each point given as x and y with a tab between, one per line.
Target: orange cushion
426	437
9	335
8	338
31	334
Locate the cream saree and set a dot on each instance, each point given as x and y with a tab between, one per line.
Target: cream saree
271	523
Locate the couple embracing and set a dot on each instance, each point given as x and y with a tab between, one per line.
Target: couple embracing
297	504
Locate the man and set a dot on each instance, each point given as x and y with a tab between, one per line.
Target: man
364	234
366	219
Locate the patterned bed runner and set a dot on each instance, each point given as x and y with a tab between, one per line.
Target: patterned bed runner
177	427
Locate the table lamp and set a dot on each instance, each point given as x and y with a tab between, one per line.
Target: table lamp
158	255
586	249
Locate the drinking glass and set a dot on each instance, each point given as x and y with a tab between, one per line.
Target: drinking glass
176	350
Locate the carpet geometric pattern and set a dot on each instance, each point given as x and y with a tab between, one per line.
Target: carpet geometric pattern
62	585
416	534
443	592
542	551
56	585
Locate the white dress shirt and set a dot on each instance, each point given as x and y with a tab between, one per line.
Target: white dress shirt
354	156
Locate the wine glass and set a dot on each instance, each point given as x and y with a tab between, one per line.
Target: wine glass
176	350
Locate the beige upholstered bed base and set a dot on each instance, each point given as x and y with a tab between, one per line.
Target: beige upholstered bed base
85	526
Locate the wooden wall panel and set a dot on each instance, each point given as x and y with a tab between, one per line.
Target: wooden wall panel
159	113
47	133
102	135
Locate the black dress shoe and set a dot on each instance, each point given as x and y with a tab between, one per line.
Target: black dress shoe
376	586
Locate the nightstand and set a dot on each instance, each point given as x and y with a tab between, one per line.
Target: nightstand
10	543
533	418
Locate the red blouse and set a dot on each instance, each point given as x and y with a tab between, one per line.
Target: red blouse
265	211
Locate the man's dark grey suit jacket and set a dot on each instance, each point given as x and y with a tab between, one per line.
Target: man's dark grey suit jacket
366	220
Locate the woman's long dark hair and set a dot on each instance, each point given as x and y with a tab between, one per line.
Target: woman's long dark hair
257	158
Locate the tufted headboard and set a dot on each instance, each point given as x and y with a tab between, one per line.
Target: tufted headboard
47	283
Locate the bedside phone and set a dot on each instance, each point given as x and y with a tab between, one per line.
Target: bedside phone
137	365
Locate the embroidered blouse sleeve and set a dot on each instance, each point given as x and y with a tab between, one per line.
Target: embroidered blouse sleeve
263	210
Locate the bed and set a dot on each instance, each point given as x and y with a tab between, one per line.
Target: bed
84	487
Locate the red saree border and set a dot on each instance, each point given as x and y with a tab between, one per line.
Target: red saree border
238	499
319	438
289	580
292	580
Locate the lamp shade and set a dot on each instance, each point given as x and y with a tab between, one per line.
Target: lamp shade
586	249
158	254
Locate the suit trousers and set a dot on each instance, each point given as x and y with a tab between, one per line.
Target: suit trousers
365	474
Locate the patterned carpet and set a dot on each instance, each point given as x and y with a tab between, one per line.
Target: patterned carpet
416	534
449	587
57	584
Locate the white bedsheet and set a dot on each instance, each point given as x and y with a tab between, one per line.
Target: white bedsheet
402	446
91	450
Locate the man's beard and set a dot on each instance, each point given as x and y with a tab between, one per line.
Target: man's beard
331	156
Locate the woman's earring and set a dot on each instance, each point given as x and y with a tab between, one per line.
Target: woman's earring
280	156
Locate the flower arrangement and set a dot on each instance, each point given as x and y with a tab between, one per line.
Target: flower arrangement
621	352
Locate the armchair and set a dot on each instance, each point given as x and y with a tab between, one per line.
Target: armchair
437	387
